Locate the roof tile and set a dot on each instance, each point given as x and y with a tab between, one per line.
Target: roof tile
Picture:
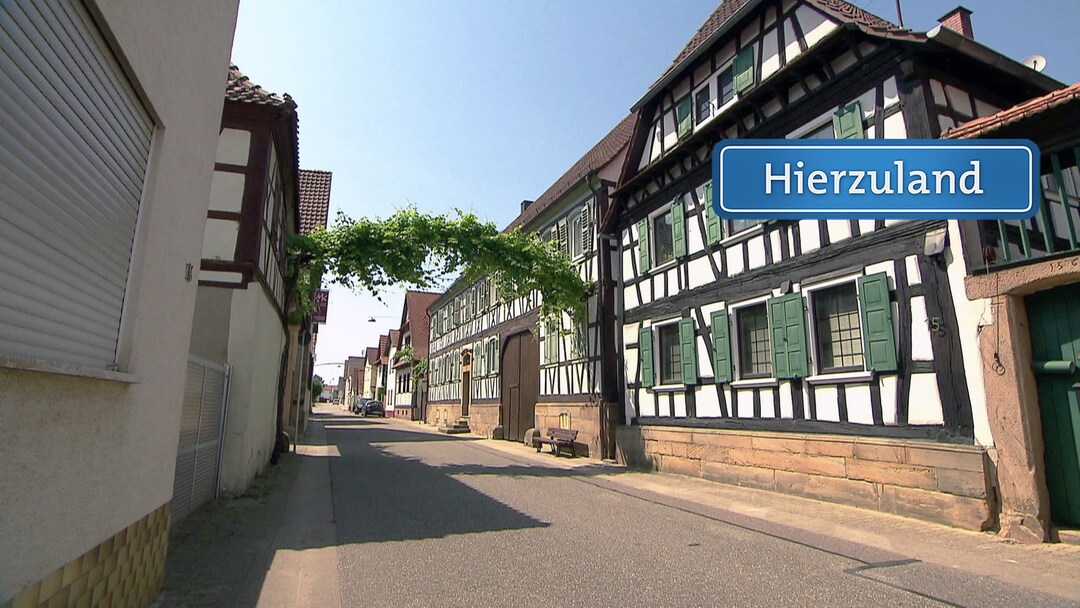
600	154
314	199
986	125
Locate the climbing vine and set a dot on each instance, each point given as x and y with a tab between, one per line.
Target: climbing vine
419	251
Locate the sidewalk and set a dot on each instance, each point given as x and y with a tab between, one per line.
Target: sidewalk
232	553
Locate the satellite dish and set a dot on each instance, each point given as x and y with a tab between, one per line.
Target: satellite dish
1035	62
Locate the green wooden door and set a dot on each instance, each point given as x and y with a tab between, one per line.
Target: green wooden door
1055	336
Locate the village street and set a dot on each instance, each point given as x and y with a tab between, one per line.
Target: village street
376	512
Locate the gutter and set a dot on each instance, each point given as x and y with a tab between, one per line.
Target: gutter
967	46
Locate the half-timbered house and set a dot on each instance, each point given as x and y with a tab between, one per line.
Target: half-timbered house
407	381
239	340
1025	277
493	365
825	358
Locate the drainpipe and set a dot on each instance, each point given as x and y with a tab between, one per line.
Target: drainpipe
605	308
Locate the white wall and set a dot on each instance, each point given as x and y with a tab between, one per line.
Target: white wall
83	458
256	342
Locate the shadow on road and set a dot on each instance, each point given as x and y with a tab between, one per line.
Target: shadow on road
381	495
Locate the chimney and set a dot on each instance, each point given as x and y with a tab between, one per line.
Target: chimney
958	20
525	205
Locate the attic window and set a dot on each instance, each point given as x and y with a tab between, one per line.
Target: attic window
703	104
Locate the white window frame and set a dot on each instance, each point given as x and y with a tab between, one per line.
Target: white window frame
657	363
654	267
811	322
736	343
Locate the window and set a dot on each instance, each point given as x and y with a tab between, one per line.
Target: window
84	243
575	234
664	240
823	132
836	324
703	104
737	226
725	84
581	338
551	343
755	352
670	354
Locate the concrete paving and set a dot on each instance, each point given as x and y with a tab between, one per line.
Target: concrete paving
388	513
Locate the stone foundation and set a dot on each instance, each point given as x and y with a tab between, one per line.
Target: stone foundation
584	418
127	569
944	483
443	414
483	417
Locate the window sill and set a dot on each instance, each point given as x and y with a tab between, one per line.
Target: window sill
66	369
739	237
663	267
840	378
756	383
669	388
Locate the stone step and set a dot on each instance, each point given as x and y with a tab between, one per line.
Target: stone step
453	430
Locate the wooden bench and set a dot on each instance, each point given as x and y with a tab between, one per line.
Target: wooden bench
558	438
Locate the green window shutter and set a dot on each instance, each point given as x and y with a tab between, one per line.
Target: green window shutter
581	338
787	322
847	122
645	357
564	242
688	342
643	245
551	343
712	221
684	118
586	230
879	342
721	347
743	69
495	363
678	227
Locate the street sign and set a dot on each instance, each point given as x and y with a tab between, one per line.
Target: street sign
322	303
875	179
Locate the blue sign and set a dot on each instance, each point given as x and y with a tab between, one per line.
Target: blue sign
875	179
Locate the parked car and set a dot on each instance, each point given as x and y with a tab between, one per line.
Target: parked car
373	408
359	404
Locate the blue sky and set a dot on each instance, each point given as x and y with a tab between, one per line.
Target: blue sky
479	104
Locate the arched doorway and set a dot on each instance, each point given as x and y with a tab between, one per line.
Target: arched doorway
520	378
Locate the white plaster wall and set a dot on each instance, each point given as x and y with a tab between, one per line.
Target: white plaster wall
233	147
219	240
227	191
83	458
256	342
971	317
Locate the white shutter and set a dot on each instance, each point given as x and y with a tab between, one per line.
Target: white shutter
202	421
74	143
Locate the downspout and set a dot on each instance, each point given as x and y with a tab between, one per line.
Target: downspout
604	303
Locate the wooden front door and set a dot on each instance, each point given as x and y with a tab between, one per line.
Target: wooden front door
520	377
1055	340
466	393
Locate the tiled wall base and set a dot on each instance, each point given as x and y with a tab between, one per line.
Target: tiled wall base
126	570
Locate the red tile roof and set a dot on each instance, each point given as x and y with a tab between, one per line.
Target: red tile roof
416	304
986	125
239	88
392	341
599	155
372	355
314	199
844	11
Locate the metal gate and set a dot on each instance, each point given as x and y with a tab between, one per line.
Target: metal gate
202	425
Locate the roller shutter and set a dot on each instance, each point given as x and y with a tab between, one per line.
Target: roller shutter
74	144
202	423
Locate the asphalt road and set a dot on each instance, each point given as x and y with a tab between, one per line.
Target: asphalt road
426	519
